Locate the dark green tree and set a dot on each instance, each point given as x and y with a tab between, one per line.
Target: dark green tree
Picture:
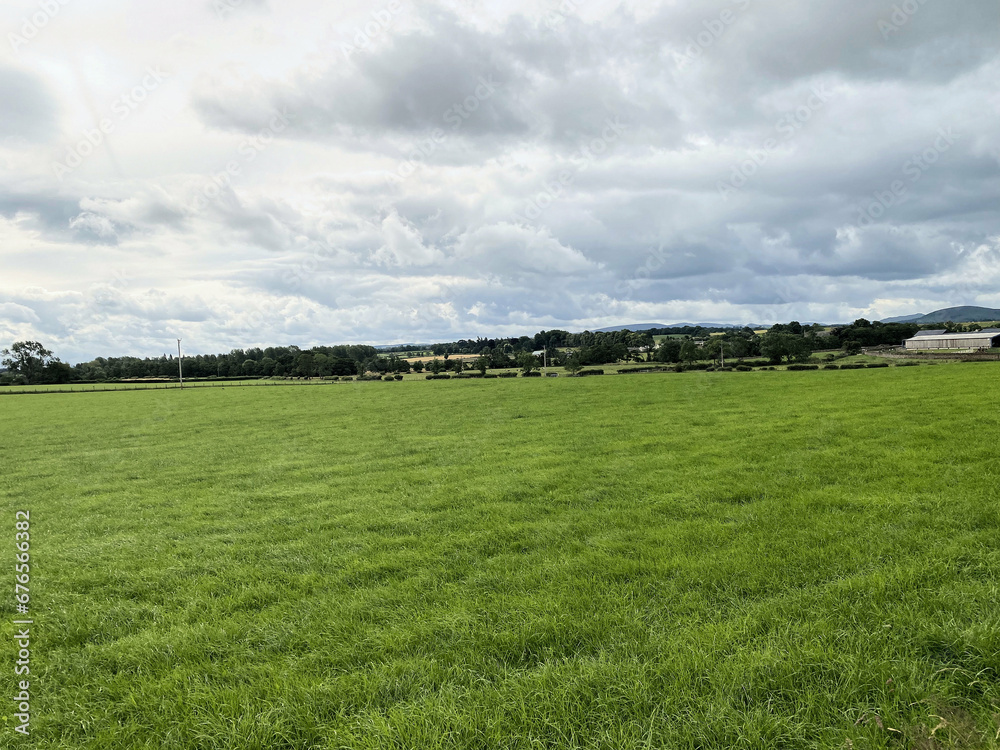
27	359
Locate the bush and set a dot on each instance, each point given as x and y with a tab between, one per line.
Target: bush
490	375
744	368
878	364
584	373
710	369
474	375
641	369
532	374
725	369
442	376
698	366
507	375
907	364
461	376
803	367
831	367
397	376
347	377
856	366
389	377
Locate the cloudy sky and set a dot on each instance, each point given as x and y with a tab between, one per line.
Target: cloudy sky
249	172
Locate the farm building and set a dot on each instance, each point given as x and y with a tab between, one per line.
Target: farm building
984	339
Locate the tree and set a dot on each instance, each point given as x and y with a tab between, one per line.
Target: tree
642	340
527	362
418	366
573	364
776	346
482	363
28	359
689	351
669	351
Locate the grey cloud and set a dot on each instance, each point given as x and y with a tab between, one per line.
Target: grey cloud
28	110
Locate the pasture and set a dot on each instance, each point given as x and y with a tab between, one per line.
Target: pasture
697	560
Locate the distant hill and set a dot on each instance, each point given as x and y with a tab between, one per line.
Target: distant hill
647	326
630	327
964	314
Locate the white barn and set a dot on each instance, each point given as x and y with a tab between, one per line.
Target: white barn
984	339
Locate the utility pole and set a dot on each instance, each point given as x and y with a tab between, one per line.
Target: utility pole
180	363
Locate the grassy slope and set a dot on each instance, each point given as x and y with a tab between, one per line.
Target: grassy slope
703	560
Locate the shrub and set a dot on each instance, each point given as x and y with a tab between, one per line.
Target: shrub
878	364
710	369
348	377
744	368
856	366
725	369
490	375
388	377
507	375
831	367
532	374
584	373
641	369
907	364
442	376
803	367
397	376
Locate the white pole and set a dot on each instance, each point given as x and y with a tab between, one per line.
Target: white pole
722	351
180	363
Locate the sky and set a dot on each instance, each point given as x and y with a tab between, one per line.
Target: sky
242	173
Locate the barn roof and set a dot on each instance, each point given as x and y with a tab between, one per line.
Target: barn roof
929	333
959	336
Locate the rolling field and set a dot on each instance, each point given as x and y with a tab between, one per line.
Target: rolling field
698	560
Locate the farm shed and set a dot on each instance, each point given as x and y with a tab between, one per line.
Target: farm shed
985	339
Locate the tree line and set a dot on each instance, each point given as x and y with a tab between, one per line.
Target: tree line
30	362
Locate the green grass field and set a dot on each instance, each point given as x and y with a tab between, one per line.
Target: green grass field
697	560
